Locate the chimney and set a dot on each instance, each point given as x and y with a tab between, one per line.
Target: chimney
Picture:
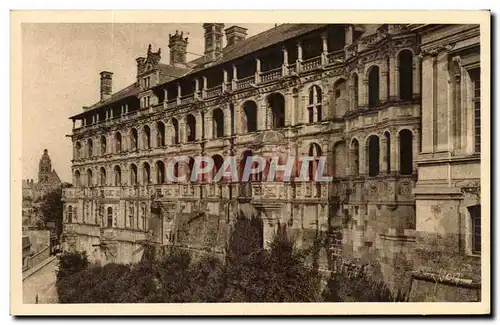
178	49
106	84
235	34
213	40
141	63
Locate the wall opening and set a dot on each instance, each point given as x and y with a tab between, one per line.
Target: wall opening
373	155
405	65
218	120
277	104
250	110
373	87
406	152
191	128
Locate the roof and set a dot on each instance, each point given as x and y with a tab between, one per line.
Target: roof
262	40
252	44
170	72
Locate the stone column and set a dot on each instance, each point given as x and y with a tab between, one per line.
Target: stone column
204	88
224	80
324	38
178	93
182	130
393	91
362	157
209	126
285	61
395	151
299	56
416	75
257	70
196	88
235	77
199	125
227	121
383	81
288	107
382	156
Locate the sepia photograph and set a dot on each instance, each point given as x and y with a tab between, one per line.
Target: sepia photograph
170	166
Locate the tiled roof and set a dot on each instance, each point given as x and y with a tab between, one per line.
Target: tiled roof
170	72
252	44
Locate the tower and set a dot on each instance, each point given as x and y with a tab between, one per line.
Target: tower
44	168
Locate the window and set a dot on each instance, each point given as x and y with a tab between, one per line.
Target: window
314	151
373	155
133	140
133	174
475	213
218	120
315	101
90	147
118	142
110	217
250	109
70	214
277	104
147	137
476	104
118	176
191	128
78	152
102	177
373	87
175	125
131	217
406	152
103	145
160	134
89	177
146	173
160	172
77	178
405	64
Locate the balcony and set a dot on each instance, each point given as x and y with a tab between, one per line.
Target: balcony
271	75
245	82
311	64
213	92
336	57
187	99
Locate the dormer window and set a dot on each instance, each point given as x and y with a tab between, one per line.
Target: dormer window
147	82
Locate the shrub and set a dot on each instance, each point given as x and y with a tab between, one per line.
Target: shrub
71	263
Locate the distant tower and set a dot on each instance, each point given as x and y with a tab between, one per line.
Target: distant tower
178	48
44	168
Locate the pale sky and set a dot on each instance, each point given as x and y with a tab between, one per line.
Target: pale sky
61	65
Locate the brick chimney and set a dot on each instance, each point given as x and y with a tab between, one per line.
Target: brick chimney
235	34
213	40
106	84
178	49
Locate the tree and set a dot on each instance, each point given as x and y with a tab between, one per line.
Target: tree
71	263
52	209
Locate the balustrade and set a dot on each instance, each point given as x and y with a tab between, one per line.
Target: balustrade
311	64
214	91
271	75
245	82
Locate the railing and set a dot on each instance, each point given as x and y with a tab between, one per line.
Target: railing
245	82
214	91
271	75
36	259
311	64
171	103
335	57
292	68
187	99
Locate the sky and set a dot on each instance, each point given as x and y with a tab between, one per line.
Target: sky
60	75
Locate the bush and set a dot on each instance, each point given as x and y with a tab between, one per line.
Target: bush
71	263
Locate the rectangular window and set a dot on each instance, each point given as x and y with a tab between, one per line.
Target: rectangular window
475	213
476	104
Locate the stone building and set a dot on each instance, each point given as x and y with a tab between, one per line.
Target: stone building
352	93
34	192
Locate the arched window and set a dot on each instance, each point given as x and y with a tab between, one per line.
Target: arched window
340	98
143	216
160	172
134	140
70	214
77	178
146	174
90	147
218	161
250	110
102	176
373	155
89	177
405	64
118	176
373	86
314	151
355	91
191	128
175	126
314	107
146	131
118	142
405	152
78	153
247	156
103	145
133	174
160	134
218	120
387	136
355	157
276	102
110	217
